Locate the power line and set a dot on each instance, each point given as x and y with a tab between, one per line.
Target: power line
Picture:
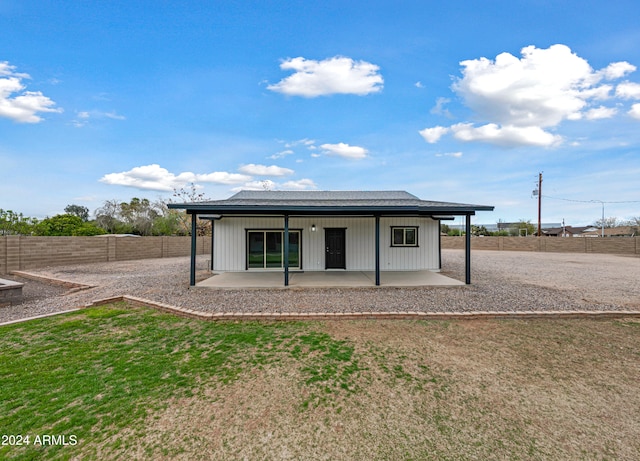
591	201
602	202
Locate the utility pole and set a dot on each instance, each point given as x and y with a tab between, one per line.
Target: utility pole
539	204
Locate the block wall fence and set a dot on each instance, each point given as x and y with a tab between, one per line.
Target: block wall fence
610	245
25	252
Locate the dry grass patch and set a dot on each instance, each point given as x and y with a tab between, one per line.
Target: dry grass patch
437	390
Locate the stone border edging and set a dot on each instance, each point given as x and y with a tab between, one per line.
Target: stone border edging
391	315
36	317
71	286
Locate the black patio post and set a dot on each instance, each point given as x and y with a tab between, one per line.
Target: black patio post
286	250
377	250
467	262
194	231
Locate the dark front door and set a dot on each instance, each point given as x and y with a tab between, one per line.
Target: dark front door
335	254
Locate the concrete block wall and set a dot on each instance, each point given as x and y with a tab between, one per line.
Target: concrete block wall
26	252
10	292
61	251
610	245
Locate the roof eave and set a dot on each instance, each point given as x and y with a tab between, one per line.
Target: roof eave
328	210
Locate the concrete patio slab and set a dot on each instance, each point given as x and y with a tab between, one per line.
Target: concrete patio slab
329	279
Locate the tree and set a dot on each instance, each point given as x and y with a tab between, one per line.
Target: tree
479	230
81	212
522	227
107	217
15	223
66	224
189	195
139	214
608	222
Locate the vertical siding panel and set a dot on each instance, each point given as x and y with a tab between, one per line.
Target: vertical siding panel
230	243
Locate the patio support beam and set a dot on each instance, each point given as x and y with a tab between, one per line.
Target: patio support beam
467	260
439	245
194	231
377	250
286	250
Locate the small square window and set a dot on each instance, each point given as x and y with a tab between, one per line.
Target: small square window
404	236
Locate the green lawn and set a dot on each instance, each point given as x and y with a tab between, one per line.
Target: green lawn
92	374
118	382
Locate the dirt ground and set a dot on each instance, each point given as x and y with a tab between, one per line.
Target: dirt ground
425	390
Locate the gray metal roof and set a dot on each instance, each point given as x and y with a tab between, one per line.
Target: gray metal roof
323	195
328	202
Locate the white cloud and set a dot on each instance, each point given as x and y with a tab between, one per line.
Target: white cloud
598	113
266	184
505	135
304	142
433	135
450	154
300	184
83	118
518	99
281	154
7	70
616	70
154	177
263	170
543	88
344	150
114	116
439	108
217	177
24	107
628	90
635	111
337	75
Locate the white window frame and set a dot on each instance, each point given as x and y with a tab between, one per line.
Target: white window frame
404	243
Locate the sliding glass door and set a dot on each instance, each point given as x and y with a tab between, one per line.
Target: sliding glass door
266	251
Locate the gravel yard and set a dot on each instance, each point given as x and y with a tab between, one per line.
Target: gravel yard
501	281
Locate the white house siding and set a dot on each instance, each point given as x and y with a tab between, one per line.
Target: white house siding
230	242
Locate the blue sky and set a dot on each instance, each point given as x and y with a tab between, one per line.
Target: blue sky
463	101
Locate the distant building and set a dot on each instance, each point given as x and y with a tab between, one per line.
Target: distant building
566	231
620	231
495	227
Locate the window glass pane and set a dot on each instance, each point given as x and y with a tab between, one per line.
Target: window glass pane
294	249
410	236
398	236
265	249
256	249
274	249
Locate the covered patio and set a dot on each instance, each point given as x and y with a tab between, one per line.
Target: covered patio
282	238
328	279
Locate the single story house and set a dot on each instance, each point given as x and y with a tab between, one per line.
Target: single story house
619	231
326	231
566	231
